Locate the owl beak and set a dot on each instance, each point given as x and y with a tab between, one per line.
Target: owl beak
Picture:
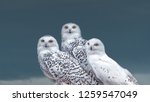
90	48
70	31
46	45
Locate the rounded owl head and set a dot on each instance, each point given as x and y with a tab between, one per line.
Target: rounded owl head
47	42
70	31
94	46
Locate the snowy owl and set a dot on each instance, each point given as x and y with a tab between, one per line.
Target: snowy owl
44	45
74	44
105	68
60	66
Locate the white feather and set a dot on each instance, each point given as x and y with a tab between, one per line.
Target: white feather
105	68
60	66
74	44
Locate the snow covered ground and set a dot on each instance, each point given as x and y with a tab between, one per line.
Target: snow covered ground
143	79
31	81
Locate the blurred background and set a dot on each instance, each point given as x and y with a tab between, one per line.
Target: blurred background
123	26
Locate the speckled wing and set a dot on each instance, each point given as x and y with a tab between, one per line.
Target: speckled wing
76	73
110	72
45	68
66	69
130	76
76	49
49	65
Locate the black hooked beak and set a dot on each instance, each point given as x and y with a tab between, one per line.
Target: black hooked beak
70	31
46	45
90	48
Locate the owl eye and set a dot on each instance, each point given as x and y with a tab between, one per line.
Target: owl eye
88	43
66	27
42	40
50	41
74	27
96	44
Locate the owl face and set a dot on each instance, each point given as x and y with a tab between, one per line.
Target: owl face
94	45
70	31
47	42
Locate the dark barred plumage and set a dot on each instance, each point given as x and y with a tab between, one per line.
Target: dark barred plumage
76	49
63	68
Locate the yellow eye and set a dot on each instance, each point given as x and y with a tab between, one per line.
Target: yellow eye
96	44
50	41
42	40
74	27
66	27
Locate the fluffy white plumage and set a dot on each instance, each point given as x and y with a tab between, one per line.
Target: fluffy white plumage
75	47
74	44
105	68
60	66
43	47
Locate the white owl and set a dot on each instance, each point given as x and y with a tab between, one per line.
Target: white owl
60	66
44	45
105	68
74	44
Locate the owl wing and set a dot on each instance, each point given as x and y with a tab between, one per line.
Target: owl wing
74	72
44	67
76	49
131	77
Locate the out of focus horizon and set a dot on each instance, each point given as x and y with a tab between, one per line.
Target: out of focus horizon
123	26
